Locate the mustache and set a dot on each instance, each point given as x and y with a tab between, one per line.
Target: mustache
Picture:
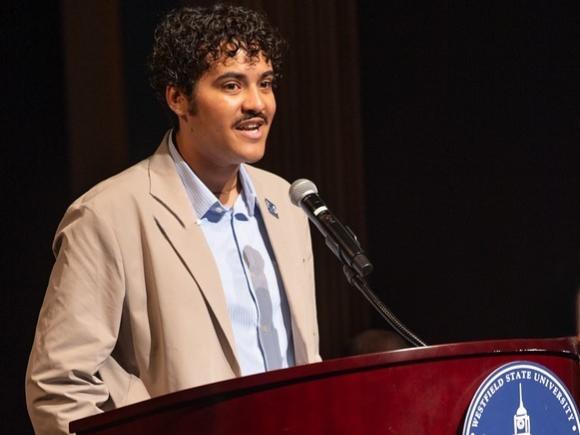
252	115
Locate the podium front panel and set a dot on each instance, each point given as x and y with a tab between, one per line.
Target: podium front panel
401	392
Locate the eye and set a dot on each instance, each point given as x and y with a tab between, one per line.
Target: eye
267	84
231	86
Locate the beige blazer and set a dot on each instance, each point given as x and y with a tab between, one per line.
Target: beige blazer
135	308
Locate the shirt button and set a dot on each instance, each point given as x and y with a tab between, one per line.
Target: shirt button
264	328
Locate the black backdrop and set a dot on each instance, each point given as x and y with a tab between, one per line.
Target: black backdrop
471	120
34	185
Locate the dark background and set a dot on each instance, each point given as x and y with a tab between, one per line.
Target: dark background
472	121
470	124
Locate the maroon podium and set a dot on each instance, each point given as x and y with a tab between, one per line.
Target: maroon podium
420	390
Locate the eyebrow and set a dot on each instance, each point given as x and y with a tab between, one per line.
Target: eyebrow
240	76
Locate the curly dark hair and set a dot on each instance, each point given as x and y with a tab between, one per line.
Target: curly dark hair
189	39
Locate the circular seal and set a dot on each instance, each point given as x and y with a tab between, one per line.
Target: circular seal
522	398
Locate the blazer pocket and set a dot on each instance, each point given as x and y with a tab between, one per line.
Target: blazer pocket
124	388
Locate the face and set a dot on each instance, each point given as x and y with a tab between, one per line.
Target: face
230	113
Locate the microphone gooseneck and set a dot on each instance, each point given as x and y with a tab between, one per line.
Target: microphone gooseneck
345	246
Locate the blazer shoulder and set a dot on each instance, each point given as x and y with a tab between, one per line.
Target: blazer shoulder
131	183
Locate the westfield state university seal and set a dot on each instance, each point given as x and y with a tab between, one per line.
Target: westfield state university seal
522	398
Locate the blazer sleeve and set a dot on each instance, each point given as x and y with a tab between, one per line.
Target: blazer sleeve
78	323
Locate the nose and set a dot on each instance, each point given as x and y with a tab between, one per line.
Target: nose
254	100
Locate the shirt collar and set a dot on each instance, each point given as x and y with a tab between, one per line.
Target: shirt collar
202	199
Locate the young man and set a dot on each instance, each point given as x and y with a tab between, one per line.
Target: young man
190	267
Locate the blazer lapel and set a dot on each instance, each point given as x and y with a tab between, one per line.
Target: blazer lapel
287	258
177	222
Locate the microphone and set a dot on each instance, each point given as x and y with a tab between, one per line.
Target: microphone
339	238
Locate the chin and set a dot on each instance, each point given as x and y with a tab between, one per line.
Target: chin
253	159
255	155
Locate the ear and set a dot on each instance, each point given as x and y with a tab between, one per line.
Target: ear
176	100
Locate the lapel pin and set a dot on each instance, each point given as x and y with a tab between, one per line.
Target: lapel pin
272	208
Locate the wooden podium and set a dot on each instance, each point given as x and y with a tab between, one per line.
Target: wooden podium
404	392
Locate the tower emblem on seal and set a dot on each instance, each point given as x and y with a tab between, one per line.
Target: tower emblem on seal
521	418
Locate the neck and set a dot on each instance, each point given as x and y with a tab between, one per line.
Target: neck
228	192
222	181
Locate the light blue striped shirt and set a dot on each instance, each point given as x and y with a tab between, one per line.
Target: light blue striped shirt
238	241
